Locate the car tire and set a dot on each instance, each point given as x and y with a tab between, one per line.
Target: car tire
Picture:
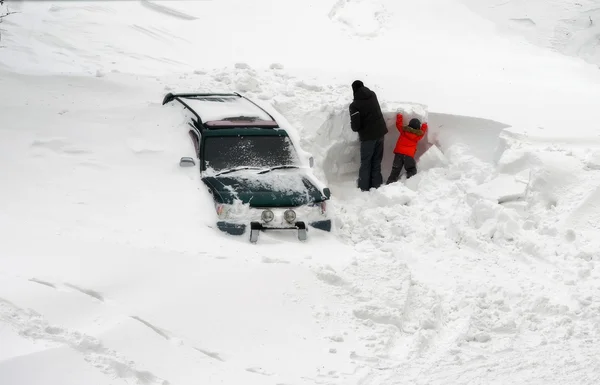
302	231
254	231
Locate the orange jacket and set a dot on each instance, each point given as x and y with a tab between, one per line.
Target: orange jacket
409	138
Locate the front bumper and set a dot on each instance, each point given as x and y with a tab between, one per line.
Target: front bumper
240	228
235	219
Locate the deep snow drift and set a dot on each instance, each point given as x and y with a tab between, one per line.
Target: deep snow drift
571	27
481	269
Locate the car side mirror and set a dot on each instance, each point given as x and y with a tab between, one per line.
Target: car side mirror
327	192
311	162
186	161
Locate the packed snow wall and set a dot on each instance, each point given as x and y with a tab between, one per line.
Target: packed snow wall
337	149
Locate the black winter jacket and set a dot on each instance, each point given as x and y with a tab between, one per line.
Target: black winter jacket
366	117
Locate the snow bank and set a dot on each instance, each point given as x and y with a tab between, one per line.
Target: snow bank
339	148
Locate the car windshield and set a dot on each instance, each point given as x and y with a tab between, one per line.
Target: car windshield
228	152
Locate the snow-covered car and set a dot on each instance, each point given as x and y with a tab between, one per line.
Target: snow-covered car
251	167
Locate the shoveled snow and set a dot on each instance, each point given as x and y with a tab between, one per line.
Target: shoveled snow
483	268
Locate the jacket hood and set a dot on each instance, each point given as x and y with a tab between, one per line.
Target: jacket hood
363	93
413	131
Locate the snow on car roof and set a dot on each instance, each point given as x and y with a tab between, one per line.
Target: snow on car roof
212	108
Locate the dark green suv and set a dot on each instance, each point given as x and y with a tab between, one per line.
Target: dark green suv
251	167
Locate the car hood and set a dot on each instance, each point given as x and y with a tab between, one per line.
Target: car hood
274	189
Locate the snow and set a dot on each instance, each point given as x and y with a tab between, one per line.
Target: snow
483	268
567	26
501	189
225	107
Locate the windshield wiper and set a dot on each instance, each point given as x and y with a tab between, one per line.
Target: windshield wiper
238	169
278	168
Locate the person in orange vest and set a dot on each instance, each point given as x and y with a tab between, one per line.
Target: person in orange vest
406	146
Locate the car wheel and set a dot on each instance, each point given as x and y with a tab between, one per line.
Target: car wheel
302	231
254	232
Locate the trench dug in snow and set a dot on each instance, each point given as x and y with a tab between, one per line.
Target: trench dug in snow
338	151
480	166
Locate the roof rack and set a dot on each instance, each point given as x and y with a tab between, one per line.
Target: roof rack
240	121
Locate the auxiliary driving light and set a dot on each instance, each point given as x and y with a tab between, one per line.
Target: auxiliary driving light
267	216
289	216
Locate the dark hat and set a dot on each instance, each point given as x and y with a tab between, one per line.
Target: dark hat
415	123
356	85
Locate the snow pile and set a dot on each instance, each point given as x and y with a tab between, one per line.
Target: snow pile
503	188
489	254
504	282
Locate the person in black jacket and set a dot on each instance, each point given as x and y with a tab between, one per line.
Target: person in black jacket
367	119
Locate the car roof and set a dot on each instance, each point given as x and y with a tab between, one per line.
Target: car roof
216	111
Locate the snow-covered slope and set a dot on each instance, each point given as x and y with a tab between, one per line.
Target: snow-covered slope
571	27
482	269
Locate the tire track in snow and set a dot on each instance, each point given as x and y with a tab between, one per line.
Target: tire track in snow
39	281
158	330
32	325
167	335
170	337
164	334
166	10
91	293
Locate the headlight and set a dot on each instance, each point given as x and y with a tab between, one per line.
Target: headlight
320	206
323	207
221	210
289	216
267	216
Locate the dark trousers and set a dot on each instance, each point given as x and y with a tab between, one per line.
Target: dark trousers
400	161
371	155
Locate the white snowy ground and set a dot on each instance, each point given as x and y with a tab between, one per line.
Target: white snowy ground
571	27
112	274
